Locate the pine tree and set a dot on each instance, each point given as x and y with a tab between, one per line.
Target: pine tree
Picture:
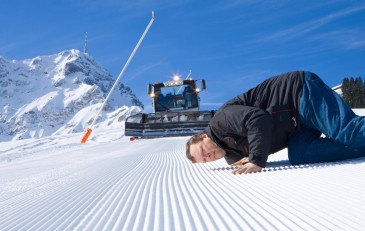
357	93
353	92
363	94
346	90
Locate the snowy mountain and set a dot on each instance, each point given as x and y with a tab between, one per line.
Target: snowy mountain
59	94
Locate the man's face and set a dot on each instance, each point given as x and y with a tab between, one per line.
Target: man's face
206	150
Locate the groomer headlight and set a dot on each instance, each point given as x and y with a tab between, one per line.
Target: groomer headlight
175	82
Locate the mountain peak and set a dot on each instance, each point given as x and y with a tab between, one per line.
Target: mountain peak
46	94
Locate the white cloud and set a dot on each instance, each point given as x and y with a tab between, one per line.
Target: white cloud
306	27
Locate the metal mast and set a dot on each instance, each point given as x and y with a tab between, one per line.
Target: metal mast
85	44
89	130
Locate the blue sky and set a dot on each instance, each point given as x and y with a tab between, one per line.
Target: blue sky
233	45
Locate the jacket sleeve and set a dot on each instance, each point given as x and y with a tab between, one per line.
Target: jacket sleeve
254	122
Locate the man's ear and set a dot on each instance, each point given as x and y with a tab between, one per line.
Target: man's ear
203	135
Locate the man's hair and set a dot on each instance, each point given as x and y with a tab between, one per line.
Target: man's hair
193	140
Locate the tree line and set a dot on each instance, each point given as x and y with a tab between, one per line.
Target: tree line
353	92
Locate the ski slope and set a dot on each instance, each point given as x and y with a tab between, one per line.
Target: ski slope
110	183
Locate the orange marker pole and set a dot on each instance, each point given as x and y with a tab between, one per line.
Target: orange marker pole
86	136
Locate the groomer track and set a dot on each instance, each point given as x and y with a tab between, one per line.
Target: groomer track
59	184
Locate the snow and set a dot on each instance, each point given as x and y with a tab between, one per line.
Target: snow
111	183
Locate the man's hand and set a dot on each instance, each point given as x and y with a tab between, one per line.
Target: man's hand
241	162
245	167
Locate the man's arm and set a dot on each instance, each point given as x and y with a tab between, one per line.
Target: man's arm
255	124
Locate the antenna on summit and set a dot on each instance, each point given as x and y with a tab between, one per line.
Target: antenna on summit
85	44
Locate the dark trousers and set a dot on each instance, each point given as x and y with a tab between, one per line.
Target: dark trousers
323	111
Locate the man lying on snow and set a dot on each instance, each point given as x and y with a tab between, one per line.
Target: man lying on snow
290	110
